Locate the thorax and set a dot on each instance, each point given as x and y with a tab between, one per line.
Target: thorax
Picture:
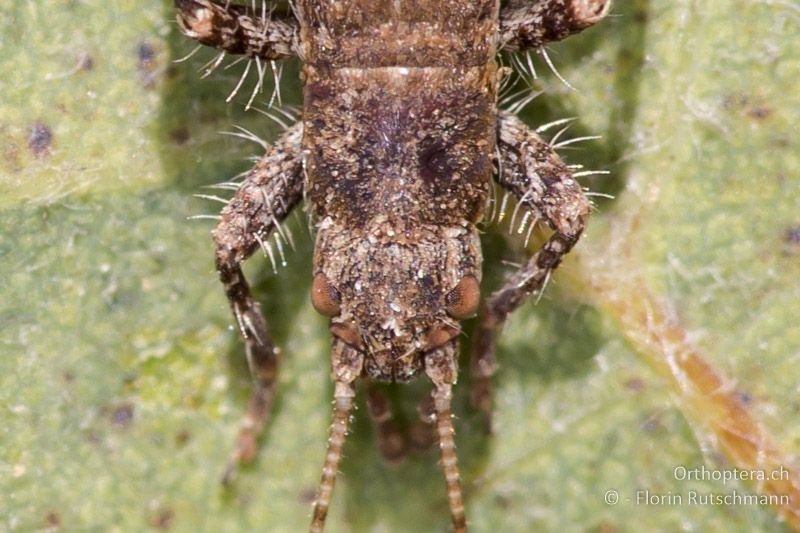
399	108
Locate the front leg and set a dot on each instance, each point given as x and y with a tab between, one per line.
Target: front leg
238	29
267	195
543	185
526	24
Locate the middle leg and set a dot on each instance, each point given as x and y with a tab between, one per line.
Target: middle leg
543	185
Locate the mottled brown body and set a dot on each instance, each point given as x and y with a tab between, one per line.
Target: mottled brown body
399	114
395	157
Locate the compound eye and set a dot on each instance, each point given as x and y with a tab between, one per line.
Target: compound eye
462	302
324	296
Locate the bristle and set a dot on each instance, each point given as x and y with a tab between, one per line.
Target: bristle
241	81
189	55
212	65
550	64
575	140
591	173
544	127
211	197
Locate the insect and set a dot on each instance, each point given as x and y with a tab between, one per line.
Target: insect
399	143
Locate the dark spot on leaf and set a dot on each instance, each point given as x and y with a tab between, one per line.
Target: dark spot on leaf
85	62
94	438
792	236
182	437
179	135
759	112
749	106
635	385
52	519
308	496
145	53
122	416
745	397
68	376
502	501
162	519
146	63
40	139
652	424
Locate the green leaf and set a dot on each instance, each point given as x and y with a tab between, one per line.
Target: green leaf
122	380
